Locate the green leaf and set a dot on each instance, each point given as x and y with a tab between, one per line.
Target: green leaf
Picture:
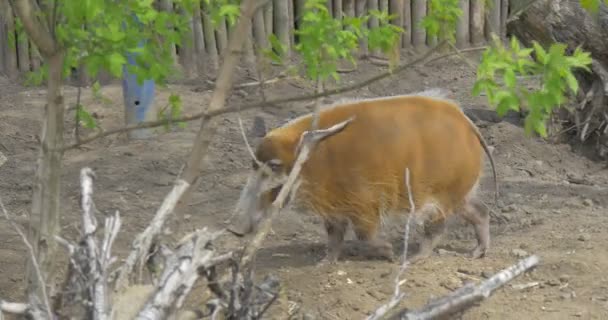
509	78
115	63
85	117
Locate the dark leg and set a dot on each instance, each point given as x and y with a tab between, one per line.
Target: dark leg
433	230
368	232
336	228
477	214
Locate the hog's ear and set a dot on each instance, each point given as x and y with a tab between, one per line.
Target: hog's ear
258	129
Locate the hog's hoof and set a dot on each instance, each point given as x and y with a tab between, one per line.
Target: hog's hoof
478	253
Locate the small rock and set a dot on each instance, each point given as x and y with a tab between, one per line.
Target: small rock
553	282
519	253
584	237
588	202
139	192
487	274
564	278
509	208
187	216
523	246
341	273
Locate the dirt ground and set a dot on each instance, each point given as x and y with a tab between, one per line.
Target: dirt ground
553	203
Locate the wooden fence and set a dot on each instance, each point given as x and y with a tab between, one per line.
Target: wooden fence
281	17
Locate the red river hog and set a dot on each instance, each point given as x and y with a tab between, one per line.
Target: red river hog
358	175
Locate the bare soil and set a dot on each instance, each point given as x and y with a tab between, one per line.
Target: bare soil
553	203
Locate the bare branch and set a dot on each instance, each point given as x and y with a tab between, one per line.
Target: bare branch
466	296
179	274
214	113
34	261
143	242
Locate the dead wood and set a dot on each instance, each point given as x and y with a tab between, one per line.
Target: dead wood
550	21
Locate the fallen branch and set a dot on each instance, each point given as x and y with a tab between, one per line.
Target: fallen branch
143	242
90	259
466	296
180	273
217	112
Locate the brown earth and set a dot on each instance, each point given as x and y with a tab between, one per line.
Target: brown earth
553	203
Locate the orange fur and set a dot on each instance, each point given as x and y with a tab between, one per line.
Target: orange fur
359	173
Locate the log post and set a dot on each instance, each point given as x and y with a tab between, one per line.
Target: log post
462	28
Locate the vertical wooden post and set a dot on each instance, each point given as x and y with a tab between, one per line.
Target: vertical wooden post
504	14
199	40
291	21
24	52
281	23
462	27
360	8
396	7
167	6
477	21
209	35
418	32
349	8
373	22
259	32
269	18
3	40
12	68
407	24
492	16
431	40
221	33
338	11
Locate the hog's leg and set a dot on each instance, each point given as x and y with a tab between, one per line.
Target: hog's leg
336	229
434	229
367	230
477	214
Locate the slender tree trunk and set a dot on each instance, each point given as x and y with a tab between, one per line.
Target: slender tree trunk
477	21
281	23
209	35
45	214
462	28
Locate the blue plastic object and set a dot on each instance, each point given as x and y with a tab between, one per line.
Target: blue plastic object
137	98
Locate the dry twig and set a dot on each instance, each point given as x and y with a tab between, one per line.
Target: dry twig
398	295
34	306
